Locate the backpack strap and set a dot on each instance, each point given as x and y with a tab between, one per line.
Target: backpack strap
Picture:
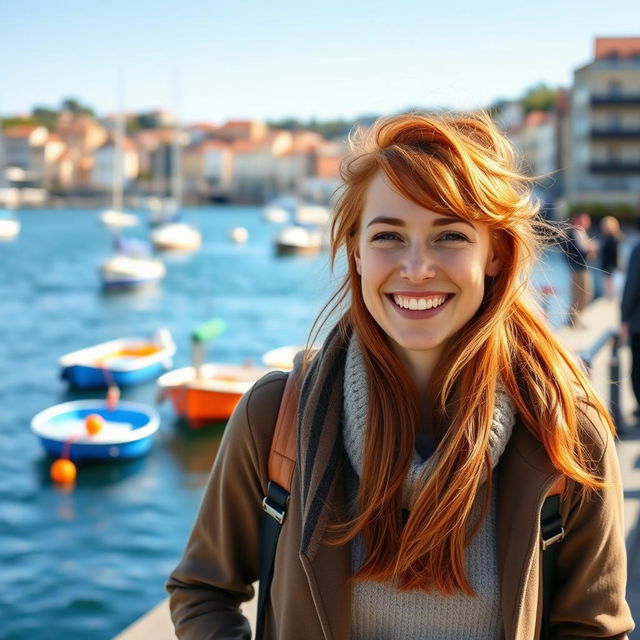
551	531
281	464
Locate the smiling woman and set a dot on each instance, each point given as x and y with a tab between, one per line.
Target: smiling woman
433	426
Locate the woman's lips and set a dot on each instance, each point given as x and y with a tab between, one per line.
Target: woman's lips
417	314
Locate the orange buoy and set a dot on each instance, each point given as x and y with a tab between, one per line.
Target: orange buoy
63	471
93	423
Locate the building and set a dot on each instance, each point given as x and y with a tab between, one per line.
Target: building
603	153
104	164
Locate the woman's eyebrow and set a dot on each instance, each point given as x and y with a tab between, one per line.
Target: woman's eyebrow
438	222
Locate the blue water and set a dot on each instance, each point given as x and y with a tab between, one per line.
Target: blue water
85	564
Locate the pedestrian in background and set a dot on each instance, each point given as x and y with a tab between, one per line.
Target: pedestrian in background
579	250
609	253
436	417
630	319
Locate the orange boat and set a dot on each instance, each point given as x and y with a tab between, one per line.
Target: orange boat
208	393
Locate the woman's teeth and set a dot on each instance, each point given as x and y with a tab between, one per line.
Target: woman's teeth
419	304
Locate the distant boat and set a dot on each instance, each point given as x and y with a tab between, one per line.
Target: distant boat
299	240
206	393
314	214
9	226
176	236
123	362
125	272
115	219
127	430
281	358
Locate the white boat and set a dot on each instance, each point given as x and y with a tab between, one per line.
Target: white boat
116	219
9	228
281	358
122	271
312	214
176	236
299	240
275	214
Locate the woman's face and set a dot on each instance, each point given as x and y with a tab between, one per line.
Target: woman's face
422	273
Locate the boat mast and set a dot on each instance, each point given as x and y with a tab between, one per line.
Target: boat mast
117	196
176	164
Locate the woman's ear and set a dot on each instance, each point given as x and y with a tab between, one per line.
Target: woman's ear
494	264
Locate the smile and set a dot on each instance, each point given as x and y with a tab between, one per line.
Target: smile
419	304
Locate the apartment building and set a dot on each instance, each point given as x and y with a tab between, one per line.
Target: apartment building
603	163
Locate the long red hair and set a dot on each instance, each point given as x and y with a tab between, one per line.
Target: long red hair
460	165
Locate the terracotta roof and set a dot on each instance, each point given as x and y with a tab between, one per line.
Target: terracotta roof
203	126
536	118
618	47
20	131
208	145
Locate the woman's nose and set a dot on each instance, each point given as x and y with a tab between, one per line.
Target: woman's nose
418	264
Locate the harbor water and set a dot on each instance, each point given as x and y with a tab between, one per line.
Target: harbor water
86	563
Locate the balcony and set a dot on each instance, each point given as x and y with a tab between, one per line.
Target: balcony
615	133
615	167
615	100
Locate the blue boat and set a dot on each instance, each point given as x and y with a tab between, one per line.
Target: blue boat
123	362
127	431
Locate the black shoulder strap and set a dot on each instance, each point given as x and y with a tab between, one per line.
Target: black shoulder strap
281	464
551	532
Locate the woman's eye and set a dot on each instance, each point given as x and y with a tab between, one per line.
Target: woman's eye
453	236
385	236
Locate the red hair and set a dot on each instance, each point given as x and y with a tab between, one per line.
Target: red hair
464	166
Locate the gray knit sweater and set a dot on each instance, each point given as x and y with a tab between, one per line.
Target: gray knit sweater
381	612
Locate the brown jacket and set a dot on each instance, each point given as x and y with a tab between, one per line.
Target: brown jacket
310	594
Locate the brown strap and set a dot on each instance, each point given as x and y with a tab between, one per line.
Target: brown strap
559	487
282	457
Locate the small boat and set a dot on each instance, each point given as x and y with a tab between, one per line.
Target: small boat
127	431
299	240
281	358
176	236
9	227
206	393
312	214
275	214
209	393
125	272
115	219
125	361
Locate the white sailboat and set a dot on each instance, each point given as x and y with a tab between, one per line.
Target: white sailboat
116	218
174	234
132	264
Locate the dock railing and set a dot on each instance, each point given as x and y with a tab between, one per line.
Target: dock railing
612	337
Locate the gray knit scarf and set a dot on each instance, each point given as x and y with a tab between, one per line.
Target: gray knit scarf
355	414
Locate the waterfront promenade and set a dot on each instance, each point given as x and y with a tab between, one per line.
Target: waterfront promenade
598	317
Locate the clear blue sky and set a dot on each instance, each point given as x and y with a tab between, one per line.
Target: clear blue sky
258	59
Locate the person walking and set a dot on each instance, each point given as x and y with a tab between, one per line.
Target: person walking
608	253
579	249
630	320
436	416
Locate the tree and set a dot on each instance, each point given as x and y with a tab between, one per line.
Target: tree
45	116
539	98
76	107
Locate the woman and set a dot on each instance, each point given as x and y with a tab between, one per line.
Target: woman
432	423
611	236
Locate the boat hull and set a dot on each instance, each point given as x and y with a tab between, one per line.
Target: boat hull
125	362
127	433
213	396
87	377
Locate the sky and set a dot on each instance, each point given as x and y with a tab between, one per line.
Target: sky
236	59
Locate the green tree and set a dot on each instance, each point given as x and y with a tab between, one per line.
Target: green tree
539	98
45	116
76	107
